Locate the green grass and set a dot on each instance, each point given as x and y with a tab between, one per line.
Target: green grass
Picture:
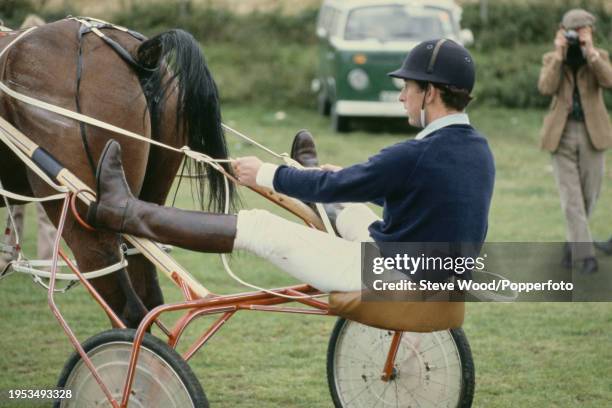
526	355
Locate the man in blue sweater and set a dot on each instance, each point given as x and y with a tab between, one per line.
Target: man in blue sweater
435	188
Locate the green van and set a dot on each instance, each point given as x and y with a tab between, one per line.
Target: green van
362	40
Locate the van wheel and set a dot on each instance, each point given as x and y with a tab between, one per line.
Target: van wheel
323	105
340	124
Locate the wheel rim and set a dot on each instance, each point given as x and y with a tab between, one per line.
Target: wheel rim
427	369
156	383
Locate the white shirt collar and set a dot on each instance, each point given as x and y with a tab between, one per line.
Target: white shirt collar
454	119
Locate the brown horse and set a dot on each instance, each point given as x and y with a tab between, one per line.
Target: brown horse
160	88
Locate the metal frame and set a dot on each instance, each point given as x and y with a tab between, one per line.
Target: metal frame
194	306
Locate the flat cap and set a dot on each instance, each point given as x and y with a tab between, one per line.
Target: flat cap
577	18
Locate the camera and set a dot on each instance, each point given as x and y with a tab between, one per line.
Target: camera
572	37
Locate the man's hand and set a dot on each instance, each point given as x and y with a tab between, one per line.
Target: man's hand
560	43
245	169
585	35
330	167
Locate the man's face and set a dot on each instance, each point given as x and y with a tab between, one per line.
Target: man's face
585	34
412	99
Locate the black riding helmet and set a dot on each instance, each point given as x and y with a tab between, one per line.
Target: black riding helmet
439	61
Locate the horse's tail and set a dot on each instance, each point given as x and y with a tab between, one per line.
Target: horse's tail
174	59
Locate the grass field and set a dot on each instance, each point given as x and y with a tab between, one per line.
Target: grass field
526	355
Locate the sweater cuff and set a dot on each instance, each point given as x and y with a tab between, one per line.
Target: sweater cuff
265	175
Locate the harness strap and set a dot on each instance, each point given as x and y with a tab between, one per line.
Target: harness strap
30	267
19	197
133	33
82	126
118	48
85	28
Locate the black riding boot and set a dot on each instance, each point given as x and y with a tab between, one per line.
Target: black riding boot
116	209
303	151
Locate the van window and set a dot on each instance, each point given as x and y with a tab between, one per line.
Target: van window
328	19
398	23
324	18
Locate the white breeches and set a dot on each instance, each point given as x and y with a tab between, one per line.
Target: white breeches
324	261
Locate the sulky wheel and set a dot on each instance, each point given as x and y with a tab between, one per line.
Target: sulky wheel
431	369
163	379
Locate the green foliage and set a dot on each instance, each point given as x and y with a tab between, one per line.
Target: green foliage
271	58
13	12
209	24
509	77
514	23
274	75
508	49
267	58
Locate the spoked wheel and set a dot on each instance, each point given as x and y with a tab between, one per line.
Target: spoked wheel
163	379
430	370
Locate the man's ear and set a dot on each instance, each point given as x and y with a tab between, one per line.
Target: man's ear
432	93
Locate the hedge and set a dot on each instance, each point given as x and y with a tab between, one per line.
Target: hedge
271	58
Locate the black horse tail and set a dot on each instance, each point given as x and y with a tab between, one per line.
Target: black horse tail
174	59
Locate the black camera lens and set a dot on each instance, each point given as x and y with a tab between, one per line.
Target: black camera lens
572	37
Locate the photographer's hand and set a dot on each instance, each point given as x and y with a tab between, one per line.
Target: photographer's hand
560	43
586	41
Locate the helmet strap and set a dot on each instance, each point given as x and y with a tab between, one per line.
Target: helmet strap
423	115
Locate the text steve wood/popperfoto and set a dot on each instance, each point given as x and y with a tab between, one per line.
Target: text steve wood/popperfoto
468	285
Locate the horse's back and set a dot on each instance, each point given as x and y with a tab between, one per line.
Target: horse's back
45	65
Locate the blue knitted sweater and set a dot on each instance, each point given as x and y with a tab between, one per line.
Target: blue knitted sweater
437	189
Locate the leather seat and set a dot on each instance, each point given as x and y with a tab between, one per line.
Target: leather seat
427	313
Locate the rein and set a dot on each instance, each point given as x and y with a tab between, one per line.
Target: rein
185	150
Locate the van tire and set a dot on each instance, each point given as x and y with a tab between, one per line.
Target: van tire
323	104
340	124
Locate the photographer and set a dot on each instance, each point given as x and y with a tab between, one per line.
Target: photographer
577	129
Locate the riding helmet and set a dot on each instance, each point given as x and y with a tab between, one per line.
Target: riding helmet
440	61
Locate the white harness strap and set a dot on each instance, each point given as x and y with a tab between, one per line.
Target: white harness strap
29	267
28	199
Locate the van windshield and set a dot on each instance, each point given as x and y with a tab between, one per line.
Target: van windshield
397	23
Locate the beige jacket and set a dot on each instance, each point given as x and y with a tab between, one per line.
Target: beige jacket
557	80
